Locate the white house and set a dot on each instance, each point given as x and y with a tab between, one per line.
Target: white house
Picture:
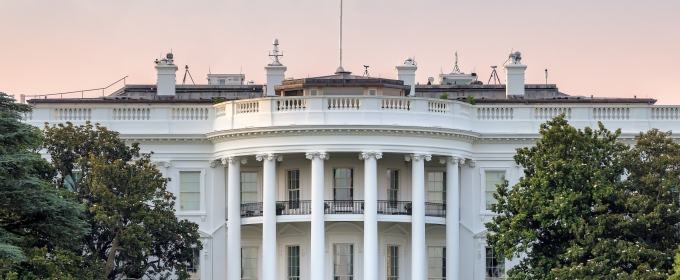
342	176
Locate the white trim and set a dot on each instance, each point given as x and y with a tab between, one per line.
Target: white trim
201	208
482	186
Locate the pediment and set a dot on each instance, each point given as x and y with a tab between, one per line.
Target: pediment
290	230
203	234
396	230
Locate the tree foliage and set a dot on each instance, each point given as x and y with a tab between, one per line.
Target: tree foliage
37	226
572	217
135	232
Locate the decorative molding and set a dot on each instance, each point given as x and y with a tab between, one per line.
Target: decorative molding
367	155
165	163
321	155
472	163
233	160
269	157
213	163
453	159
237	134
417	157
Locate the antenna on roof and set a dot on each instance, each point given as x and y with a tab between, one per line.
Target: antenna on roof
366	71
494	76
456	70
186	71
275	54
341	70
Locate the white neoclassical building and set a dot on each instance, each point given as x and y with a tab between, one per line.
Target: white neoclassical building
342	176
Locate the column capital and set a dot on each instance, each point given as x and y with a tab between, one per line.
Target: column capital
212	163
269	157
164	163
367	155
321	155
418	157
452	159
472	163
233	160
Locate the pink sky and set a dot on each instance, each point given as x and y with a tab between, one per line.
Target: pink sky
606	48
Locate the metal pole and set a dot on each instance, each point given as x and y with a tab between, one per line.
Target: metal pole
340	33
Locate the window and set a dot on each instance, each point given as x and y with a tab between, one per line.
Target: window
293	262
392	262
293	189
189	191
436	187
436	263
495	267
193	267
248	187
371	92
222	82
312	92
343	262
249	263
393	190
343	187
492	178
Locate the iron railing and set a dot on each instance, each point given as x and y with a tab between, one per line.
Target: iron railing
294	207
435	209
251	209
82	92
393	207
304	207
343	207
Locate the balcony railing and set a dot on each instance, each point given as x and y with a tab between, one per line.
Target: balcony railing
304	207
435	209
393	207
251	209
344	206
294	207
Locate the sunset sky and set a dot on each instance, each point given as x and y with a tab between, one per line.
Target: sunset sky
605	48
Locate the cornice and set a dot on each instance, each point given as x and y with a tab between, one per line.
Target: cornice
179	138
238	134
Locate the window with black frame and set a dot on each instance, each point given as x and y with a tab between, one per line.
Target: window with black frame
293	189
343	187
393	190
293	262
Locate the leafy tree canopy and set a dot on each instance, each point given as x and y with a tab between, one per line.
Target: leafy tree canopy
572	217
37	225
135	232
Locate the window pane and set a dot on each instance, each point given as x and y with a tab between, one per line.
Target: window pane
495	269
248	263
393	262
436	262
190	190
343	261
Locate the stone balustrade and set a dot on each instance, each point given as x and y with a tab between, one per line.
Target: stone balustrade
377	111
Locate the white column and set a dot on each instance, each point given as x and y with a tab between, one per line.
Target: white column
418	247
234	217
371	214
452	217
318	242
218	212
269	215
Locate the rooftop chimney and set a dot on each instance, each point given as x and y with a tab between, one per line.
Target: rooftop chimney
275	70
165	83
514	76
407	73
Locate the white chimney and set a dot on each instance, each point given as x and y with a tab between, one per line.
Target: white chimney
514	76
165	83
275	70
407	73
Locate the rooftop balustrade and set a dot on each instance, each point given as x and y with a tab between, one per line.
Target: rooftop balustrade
501	120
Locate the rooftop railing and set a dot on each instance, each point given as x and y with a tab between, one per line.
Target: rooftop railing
61	94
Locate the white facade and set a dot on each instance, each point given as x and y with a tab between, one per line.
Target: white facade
262	138
322	186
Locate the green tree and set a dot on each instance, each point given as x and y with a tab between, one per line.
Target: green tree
37	225
135	232
571	216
